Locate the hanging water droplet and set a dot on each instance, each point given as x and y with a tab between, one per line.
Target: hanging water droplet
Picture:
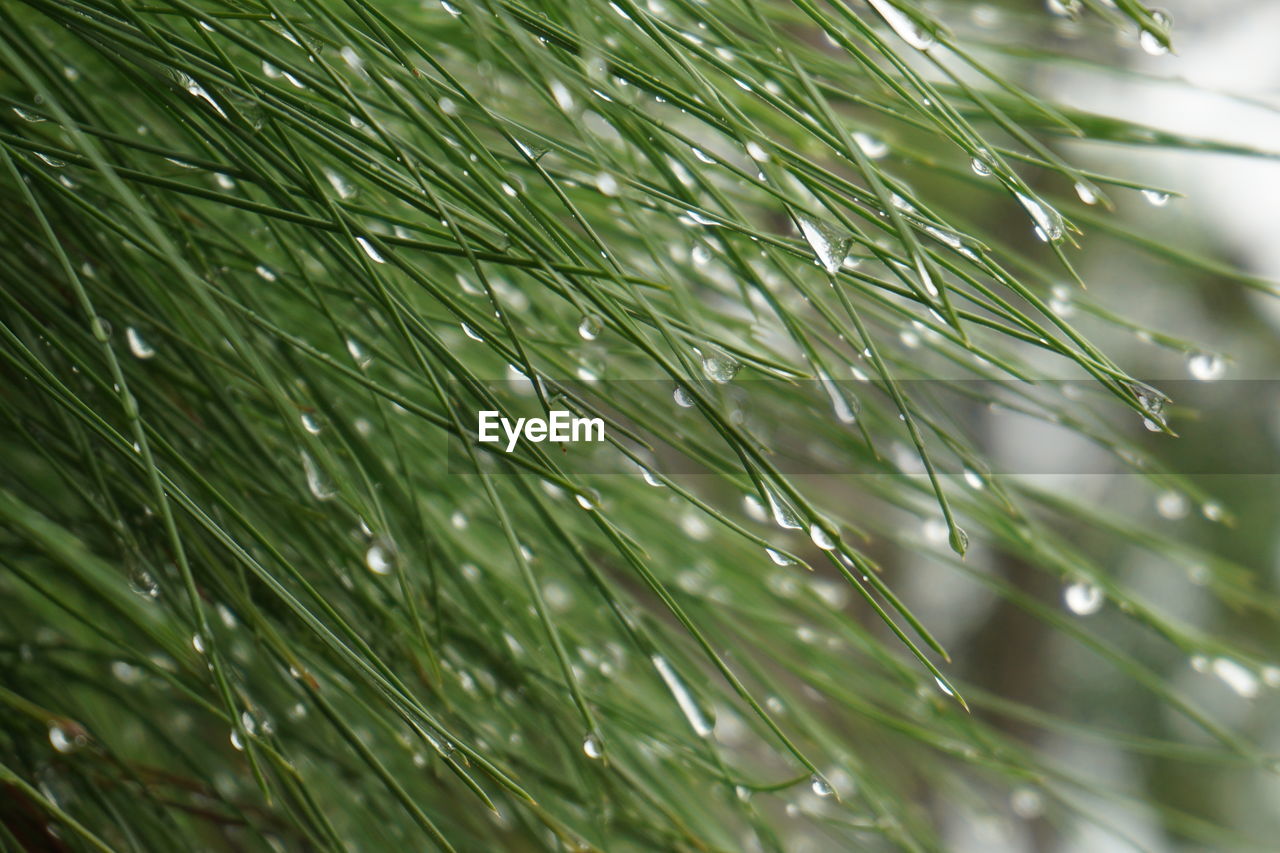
137	345
470	332
682	397
821	787
845	411
958	539
830	244
1150	40
592	746
974	480
1086	193
821	537
903	24
1212	510
586	501
340	185
1069	9
1048	221
784	515
1240	679
53	162
563	96
779	558
1156	198
1206	367
1083	599
607	184
450	8
310	423
871	146
719	367
694	714
197	643
265	272
590	327
757	153
381	557
316	482
143	583
62	740
370	251
236	742
980	168
1172	505
1026	803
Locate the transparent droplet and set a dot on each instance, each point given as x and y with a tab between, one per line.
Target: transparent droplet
126	673
1172	505
590	327
197	643
607	184
470	332
757	153
779	558
27	115
845	410
320	488
1026	803
719	367
144	583
137	345
340	185
980	168
592	746
693	713
310	423
821	787
830	244
265	272
903	24
821	537
1086	193
1206	367
1048	221
1236	676
871	146
587	502
974	480
1150	40
369	250
1213	511
682	397
1069	9
1155	198
380	558
1083	599
958	539
63	741
784	515
236	742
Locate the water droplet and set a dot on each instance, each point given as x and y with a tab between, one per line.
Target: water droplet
958	540
27	115
592	746
720	367
586	501
265	272
137	345
471	333
821	537
381	557
757	153
590	327
1213	511
1206	367
1171	504
1150	40
126	673
821	787
697	719
450	8
562	95
980	168
682	397
1026	803
844	408
1086	193
62	740
197	643
1069	9
943	686
1156	198
236	742
1083	599
830	244
144	583
779	558
459	520
784	515
370	251
974	479
1048	221
607	184
903	24
1236	676
316	482
871	146
340	185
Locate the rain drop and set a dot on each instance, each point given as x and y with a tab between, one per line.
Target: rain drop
590	327
821	787
137	345
370	251
592	746
1206	367
1156	198
1083	599
830	244
720	368
821	537
903	24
